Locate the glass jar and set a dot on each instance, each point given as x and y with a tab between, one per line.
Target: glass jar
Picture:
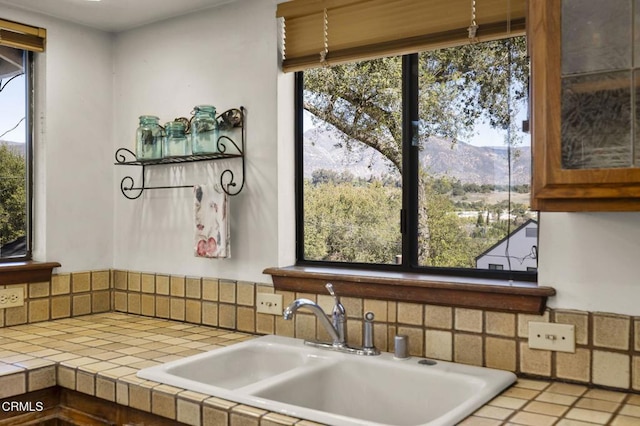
204	130
176	143
149	136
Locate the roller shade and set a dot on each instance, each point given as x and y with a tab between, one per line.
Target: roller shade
21	36
365	29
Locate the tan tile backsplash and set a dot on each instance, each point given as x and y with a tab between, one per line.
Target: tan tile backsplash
500	324
438	317
574	366
66	295
439	344
611	331
534	361
468	320
611	369
410	313
607	345
500	353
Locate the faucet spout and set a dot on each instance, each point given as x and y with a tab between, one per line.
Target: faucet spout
318	312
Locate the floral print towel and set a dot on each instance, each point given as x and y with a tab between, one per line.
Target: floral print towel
211	208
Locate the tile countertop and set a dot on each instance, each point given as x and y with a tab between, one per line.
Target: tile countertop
100	354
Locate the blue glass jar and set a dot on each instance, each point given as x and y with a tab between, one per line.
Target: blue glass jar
204	130
176	143
149	136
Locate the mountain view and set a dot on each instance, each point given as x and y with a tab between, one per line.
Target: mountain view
459	160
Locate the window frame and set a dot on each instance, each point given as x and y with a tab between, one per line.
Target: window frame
409	214
29	170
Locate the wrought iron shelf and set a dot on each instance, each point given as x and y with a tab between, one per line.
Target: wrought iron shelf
227	149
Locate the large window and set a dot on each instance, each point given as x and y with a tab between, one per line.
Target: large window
418	163
15	154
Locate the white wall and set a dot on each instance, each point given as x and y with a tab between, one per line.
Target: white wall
592	260
227	57
73	182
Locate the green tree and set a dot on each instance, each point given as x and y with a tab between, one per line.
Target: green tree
12	195
457	87
350	223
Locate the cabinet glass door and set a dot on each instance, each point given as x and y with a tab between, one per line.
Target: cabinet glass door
600	84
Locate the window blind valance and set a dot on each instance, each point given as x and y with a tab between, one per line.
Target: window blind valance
21	36
320	32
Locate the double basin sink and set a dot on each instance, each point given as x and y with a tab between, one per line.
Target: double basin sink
283	375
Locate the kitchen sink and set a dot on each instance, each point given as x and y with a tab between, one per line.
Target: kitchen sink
283	375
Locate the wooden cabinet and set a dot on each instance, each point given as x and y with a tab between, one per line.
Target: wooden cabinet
585	89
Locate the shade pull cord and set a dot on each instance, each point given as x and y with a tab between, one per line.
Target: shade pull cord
325	37
473	28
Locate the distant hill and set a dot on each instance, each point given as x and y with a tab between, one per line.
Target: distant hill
460	160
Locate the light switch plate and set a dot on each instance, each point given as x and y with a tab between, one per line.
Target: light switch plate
552	337
267	303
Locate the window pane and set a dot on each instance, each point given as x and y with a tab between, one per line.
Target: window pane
475	163
352	159
13	154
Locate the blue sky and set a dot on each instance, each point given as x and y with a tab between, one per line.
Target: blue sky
12	109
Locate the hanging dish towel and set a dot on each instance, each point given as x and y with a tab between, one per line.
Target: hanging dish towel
211	210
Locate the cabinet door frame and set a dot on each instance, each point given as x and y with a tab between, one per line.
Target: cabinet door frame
554	188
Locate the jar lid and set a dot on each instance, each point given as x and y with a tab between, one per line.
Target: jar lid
174	125
149	118
205	108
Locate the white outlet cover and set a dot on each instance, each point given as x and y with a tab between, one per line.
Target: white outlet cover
268	303
552	337
11	297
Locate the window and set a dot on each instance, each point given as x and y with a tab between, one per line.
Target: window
15	154
416	162
17	43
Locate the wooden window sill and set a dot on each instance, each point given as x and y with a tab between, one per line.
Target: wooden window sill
516	297
26	272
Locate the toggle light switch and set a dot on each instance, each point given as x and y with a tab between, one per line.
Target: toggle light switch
552	337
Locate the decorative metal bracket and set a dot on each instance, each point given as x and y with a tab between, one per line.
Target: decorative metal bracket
226	147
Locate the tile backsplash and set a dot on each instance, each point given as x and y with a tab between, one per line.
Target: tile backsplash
607	345
66	295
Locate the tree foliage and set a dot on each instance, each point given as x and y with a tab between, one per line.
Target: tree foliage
12	195
346	222
355	222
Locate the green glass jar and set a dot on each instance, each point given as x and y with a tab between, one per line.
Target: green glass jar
149	136
176	143
204	130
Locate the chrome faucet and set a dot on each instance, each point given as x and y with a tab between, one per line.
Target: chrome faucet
335	330
336	327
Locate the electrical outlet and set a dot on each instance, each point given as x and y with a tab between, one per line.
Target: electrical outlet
11	297
552	337
267	303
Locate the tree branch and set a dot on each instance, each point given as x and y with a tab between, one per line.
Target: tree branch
389	150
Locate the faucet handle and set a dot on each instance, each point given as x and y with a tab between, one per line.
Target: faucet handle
338	308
